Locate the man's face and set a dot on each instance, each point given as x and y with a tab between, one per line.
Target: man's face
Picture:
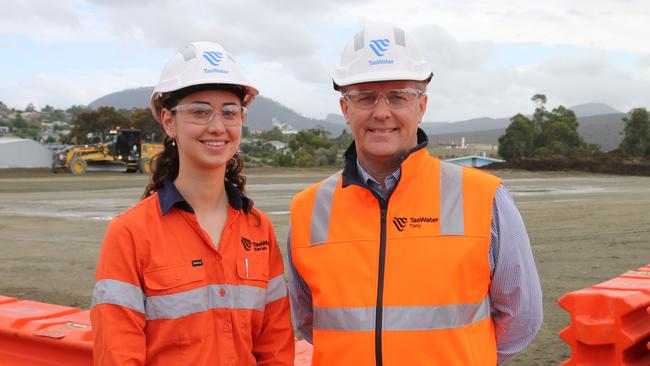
383	132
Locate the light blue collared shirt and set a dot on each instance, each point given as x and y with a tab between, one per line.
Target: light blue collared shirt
515	292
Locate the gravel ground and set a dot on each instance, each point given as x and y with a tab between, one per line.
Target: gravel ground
584	228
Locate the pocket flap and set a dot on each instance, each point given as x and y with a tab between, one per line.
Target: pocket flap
167	278
252	270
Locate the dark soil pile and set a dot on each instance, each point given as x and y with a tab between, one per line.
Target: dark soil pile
613	162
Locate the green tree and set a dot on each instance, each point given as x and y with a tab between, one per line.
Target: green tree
517	142
636	135
274	134
282	159
344	140
540	115
30	108
150	130
303	158
19	122
559	134
91	126
310	140
76	109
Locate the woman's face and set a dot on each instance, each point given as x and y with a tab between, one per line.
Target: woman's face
207	128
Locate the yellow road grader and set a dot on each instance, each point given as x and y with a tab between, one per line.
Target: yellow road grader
122	152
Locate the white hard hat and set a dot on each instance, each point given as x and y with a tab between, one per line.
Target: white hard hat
200	63
381	52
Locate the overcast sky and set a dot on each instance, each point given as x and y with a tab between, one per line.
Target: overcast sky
489	56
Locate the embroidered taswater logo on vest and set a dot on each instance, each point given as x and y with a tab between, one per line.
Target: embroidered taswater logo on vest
402	223
255	246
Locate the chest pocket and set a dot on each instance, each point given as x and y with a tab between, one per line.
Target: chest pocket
255	270
173	279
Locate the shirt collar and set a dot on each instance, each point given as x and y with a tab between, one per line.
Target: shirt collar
169	196
367	177
351	172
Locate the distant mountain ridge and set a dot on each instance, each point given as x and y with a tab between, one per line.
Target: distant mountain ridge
260	114
598	122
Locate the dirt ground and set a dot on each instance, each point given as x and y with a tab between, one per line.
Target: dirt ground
585	228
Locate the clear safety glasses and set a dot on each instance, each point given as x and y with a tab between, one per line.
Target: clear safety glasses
231	115
395	98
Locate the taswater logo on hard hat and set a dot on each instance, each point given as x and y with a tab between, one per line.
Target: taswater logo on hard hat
213	57
379	46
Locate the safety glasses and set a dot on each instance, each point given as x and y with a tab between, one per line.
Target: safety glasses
231	115
395	98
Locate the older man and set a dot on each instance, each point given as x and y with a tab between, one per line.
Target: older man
400	258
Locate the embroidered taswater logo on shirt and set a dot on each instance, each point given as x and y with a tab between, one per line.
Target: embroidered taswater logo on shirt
402	223
255	246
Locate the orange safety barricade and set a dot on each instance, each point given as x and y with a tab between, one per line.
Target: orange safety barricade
38	334
610	322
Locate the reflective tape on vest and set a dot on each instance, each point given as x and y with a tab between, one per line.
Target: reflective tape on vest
452	214
185	303
397	318
320	217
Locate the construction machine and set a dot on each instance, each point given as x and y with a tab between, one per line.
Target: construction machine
122	152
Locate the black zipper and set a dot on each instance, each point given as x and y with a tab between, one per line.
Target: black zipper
380	284
379	307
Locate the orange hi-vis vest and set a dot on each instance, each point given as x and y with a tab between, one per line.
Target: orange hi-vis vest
403	281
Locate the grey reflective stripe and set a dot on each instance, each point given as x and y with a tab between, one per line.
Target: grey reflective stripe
320	217
118	293
399	37
397	318
434	317
201	299
452	217
356	319
358	41
277	289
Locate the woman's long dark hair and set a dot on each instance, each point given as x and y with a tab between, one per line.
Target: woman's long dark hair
164	166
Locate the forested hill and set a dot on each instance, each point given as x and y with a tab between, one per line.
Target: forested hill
261	114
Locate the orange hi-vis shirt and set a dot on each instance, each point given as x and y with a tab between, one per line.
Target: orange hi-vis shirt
165	296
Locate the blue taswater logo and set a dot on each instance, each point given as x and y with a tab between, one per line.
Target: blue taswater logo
379	46
213	57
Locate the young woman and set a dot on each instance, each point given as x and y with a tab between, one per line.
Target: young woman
192	274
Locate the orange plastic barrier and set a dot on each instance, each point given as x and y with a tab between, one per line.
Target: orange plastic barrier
38	334
610	322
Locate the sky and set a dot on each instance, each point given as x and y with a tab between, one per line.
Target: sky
489	57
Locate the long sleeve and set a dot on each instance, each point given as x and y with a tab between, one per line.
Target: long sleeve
301	300
515	291
118	308
274	345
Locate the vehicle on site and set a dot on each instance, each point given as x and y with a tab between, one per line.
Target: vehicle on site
123	151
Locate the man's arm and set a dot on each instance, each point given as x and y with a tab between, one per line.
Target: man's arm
301	301
274	345
515	291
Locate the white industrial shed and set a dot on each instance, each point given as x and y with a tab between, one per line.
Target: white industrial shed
23	153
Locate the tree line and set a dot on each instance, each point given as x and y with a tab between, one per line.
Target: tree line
555	133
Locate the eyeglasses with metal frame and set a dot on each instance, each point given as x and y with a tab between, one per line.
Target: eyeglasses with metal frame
231	115
395	98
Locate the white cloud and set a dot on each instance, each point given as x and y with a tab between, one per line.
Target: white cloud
589	51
